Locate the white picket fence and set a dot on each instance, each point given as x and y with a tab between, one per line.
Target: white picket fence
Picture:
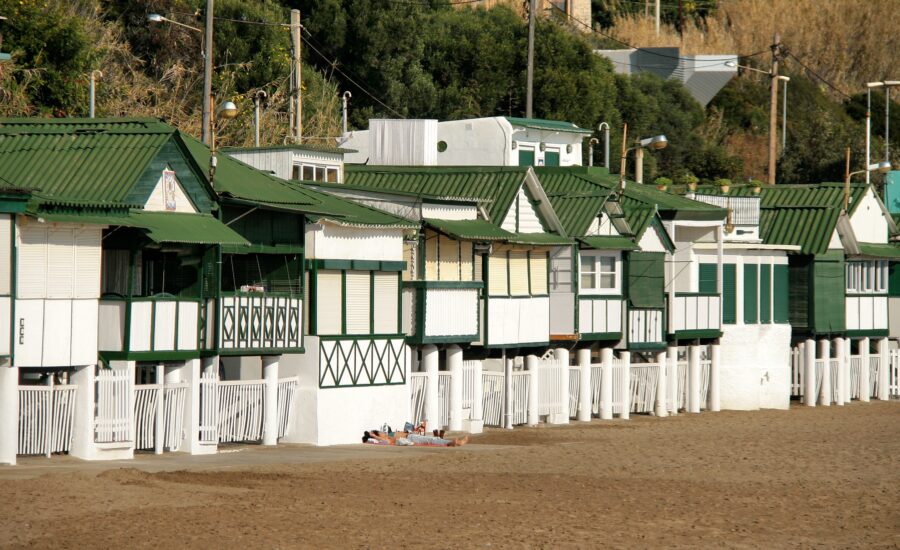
621	400
874	373
705	366
174	398
835	373
492	398
894	374
241	410
287	392
574	390
46	414
146	397
596	375
209	408
113	421
418	382
470	370
444	398
644	380
518	401
551	393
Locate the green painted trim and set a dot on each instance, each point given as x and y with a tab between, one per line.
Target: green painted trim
360	265
870	295
357	337
13	287
132	267
600	297
444	284
699	333
12	206
399	301
648	346
464	339
517	345
371	301
321	387
155	298
695	294
525	297
150	355
594	336
332	264
343	302
313	300
231	352
860	333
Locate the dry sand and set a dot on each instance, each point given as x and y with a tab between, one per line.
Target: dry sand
823	477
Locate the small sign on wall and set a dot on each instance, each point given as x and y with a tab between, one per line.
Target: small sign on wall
169	184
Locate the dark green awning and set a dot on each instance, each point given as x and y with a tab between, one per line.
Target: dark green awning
879	250
608	242
170	227
471	230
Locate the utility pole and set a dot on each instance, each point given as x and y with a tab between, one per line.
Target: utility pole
773	108
657	17
298	80
529	79
207	72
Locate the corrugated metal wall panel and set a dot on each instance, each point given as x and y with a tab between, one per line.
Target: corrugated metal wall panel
409	256
386	297
538	268
465	260
449	262
60	262
328	302
431	256
31	279
358	301
5	253
497	273
518	273
477	261
87	262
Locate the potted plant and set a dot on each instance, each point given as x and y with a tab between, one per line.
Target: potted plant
724	184
687	179
756	185
662	183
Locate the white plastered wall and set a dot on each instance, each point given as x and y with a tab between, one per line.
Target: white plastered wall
868	221
161	201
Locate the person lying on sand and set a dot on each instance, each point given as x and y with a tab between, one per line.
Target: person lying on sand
405	438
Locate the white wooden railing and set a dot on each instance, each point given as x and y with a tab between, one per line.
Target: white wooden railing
241	410
894	374
856	391
551	393
146	397
874	368
695	312
574	390
596	375
418	382
518	400
444	398
644	380
209	408
645	325
470	370
287	391
493	398
796	373
46	415
835	373
174	399
113	422
621	400
259	321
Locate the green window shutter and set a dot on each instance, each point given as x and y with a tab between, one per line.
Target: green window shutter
828	293
708	283
526	157
551	158
765	293
894	279
751	296
780	298
646	279
800	291
729	294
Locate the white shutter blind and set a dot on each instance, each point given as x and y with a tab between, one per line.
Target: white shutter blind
31	280
497	266
409	256
431	256
538	267
449	264
465	260
358	298
518	273
477	261
328	302
60	262
386	299
87	262
5	253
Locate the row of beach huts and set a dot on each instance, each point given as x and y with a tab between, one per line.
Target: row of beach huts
467	273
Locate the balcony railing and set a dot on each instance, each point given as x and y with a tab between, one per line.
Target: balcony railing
600	315
517	320
445	311
260	322
869	313
153	324
646	326
692	312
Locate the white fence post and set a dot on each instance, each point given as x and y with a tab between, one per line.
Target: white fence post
825	357
270	402
660	409
584	388
864	379
432	401
841	382
507	393
693	400
884	377
455	366
625	388
715	380
672	379
9	414
83	428
476	421
809	373
159	440
606	384
534	390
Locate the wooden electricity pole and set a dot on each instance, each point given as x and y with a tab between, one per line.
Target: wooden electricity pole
773	108
297	100
529	78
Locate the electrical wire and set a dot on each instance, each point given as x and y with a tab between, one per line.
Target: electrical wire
815	74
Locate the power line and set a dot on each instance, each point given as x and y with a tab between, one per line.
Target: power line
334	66
815	74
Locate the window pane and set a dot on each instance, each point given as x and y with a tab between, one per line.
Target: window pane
320	173
608	280
309	173
332	175
588	281
607	264
587	263
295	173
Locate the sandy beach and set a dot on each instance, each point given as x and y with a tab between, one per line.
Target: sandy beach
823	477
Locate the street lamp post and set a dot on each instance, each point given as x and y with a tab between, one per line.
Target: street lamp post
655	142
882	167
227	110
887	121
604	127
784	79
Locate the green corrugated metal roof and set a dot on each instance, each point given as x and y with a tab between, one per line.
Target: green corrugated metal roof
473	230
171	227
808	228
609	243
878	250
552	125
295	147
88	161
576	197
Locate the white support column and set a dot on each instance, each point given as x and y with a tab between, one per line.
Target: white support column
270	404
661	386
430	362
672	379
476	423
83	426
507	392
625	388
455	366
864	379
825	356
563	390
848	384
534	390
159	433
190	374
606	384
9	414
841	382
584	386
809	373
884	376
693	400
715	380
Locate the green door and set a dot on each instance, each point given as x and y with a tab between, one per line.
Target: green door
551	158
729	294
526	157
646	279
765	293
708	283
751	296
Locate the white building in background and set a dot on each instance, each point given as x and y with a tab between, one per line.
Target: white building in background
490	141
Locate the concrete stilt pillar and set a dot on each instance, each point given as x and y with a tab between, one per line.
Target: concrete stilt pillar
715	379
848	383
865	380
507	393
270	411
9	414
584	386
430	361
159	440
884	378
455	366
625	388
563	390
809	373
476	423
672	379
190	373
693	400
606	384
661	386
825	356
534	390
83	423
841	382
